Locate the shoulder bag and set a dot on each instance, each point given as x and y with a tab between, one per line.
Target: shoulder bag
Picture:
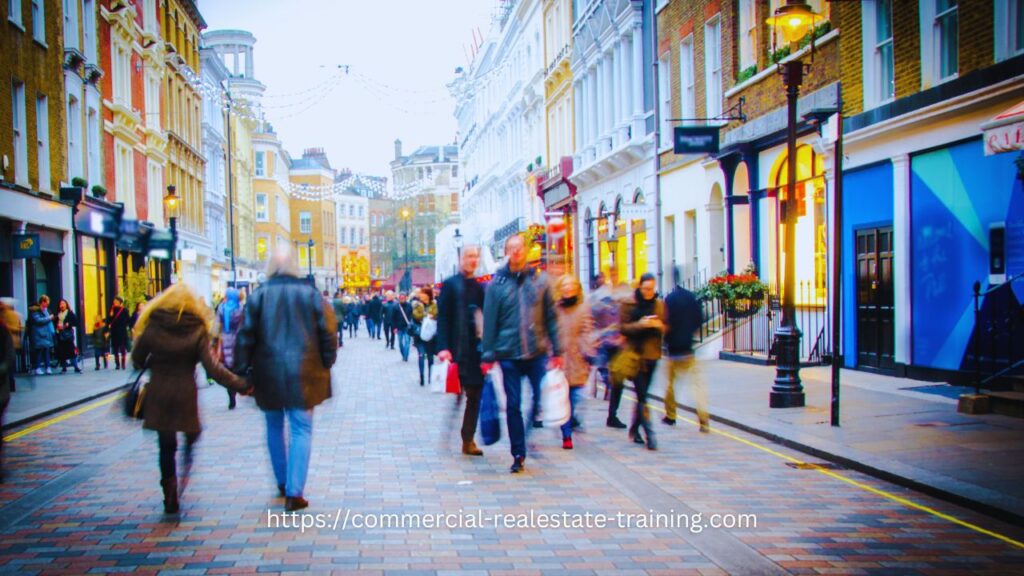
135	396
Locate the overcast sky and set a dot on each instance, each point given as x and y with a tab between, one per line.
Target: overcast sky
401	53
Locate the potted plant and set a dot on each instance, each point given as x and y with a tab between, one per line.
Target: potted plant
79	182
740	294
99	191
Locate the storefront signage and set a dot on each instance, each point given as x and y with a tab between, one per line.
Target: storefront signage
25	245
1006	138
695	139
556	195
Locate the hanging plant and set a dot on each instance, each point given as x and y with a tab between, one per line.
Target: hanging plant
740	294
79	182
99	191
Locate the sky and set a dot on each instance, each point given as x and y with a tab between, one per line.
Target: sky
401	53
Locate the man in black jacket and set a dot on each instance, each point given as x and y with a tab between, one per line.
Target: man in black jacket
386	318
401	318
458	338
373	310
290	363
684	318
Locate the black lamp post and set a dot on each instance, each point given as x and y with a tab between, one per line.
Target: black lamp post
407	277
171	211
309	257
458	250
793	20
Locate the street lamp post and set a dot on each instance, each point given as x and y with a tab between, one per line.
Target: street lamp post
309	257
458	250
171	211
407	278
793	20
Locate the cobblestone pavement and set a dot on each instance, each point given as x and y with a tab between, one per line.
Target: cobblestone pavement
83	496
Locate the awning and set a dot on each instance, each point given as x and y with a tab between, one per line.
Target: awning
1005	132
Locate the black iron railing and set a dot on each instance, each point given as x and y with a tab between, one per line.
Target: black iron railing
997	344
753	334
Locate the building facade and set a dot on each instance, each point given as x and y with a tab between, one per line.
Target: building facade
215	74
314	217
273	219
362	212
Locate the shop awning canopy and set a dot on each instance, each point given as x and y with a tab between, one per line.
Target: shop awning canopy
1005	132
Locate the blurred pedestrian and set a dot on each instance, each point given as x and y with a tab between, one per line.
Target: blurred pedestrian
229	320
338	304
423	307
10	318
520	330
684	318
173	336
643	324
99	341
41	334
134	319
459	328
606	305
402	320
288	342
575	332
387	319
117	328
7	361
353	317
67	343
373	312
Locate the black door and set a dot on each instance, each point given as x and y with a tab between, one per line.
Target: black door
875	299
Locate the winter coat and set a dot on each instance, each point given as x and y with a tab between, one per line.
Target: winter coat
41	333
340	309
644	339
66	336
229	335
401	316
684	317
419	312
7	363
461	300
373	309
289	342
508	333
387	313
98	338
170	346
117	326
576	332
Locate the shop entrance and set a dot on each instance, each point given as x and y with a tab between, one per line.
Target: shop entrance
875	340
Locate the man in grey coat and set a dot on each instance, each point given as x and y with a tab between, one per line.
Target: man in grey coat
289	342
520	331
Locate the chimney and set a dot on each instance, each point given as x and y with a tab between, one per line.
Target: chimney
398	149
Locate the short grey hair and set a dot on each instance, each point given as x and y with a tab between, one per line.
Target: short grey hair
282	262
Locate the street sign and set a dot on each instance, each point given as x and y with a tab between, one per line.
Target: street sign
695	139
25	245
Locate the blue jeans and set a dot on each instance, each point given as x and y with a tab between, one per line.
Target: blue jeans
371	328
512	372
291	468
574	400
404	341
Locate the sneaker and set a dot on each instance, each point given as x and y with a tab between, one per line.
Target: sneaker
48	372
566	443
39	371
614	422
518	465
293	503
668	421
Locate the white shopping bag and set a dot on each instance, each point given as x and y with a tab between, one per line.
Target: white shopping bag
439	377
498	379
554	398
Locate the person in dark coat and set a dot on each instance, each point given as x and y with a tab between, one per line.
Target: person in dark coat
401	319
387	319
117	330
459	327
288	345
424	306
229	319
643	324
67	345
684	319
339	312
374	308
7	360
174	336
354	311
41	334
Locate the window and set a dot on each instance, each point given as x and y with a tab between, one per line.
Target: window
149	16
748	34
14	11
342	240
259	164
713	66
351	236
70	23
305	223
687	95
124	176
261	207
1009	21
946	40
74	137
92	127
38	21
43	142
455	171
20	137
122	74
879	78
153	100
351	210
155	190
665	95
89	30
361	211
261	248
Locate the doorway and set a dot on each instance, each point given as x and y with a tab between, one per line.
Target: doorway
875	312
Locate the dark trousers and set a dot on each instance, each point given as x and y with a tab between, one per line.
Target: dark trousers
370	329
341	334
615	399
353	328
642	384
426	359
168	442
472	380
389	336
377	324
100	354
120	351
512	373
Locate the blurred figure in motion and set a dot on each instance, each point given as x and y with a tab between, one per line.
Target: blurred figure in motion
401	319
643	324
288	344
41	334
229	319
387	319
374	308
12	321
67	344
605	305
117	328
134	319
424	306
353	317
520	330
7	361
99	341
684	319
575	331
338	304
174	336
458	338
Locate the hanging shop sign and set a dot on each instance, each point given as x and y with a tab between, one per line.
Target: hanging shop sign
695	139
25	245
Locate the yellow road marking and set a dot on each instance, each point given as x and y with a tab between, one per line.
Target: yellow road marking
56	419
852	482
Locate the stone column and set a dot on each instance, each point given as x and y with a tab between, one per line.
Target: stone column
623	113
902	298
638	80
609	105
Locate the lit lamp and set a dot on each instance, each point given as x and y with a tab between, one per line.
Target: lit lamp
406	214
792	21
171	211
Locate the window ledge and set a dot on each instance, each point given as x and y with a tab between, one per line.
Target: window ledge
773	68
40	42
664	149
16	24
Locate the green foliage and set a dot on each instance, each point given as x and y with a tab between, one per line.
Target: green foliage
99	191
730	288
746	74
778	55
134	289
79	182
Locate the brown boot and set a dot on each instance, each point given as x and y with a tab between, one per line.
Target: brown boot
170	486
470	449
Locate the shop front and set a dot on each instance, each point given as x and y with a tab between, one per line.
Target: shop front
560	219
96	230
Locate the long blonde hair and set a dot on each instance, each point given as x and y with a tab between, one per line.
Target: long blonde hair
179	299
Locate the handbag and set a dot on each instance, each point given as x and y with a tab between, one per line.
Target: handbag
624	366
428	329
452	385
134	398
490	419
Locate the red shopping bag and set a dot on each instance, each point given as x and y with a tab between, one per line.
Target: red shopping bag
451	384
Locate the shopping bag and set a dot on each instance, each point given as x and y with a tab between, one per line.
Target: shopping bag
428	329
498	381
135	397
451	383
490	415
554	398
439	377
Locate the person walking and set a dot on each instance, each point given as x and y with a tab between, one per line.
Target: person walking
423	307
229	319
684	318
643	324
459	328
99	341
575	330
117	328
288	345
67	344
174	336
7	366
387	319
41	334
520	330
353	317
134	319
373	311
338	303
606	305
402	321
11	320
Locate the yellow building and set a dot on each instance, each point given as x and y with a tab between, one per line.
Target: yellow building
242	169
314	217
270	188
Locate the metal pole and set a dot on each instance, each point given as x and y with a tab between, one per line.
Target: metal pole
977	338
837	258
657	156
231	191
